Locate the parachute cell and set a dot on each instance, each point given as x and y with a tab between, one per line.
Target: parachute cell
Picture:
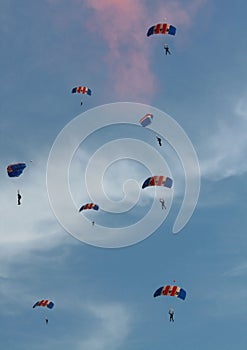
158	181
15	170
146	120
45	303
173	291
162	28
89	206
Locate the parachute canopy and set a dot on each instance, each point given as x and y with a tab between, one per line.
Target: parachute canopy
15	170
158	181
89	206
81	90
45	303
173	291
146	120
161	28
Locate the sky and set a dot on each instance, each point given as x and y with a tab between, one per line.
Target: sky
102	277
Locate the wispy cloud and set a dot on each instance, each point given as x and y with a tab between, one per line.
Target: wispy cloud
31	226
120	24
113	325
123	26
224	150
238	270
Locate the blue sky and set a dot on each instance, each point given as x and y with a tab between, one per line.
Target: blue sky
103	297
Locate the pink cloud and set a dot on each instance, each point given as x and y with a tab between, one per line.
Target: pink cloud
123	26
182	15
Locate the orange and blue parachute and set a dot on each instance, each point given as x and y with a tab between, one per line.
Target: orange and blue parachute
82	90
15	170
161	28
173	291
158	181
146	120
89	206
45	303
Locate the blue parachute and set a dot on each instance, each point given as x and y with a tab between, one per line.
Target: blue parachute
146	120
45	303
15	170
81	90
158	181
89	206
162	28
173	291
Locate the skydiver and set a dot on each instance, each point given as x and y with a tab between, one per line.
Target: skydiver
18	197
171	313
167	49
162	203
159	140
93	223
81	103
46	321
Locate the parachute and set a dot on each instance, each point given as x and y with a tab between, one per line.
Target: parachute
45	303
173	291
81	90
146	120
89	206
161	28
15	170
158	181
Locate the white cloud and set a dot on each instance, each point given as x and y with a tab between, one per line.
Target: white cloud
31	226
238	270
224	150
113	326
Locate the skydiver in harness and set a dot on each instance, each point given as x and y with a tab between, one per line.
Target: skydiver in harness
159	140
46	321
171	313
162	203
167	49
18	197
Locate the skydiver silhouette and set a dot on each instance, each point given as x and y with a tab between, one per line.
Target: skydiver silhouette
167	49
18	197
162	203
46	321
171	313
159	140
93	223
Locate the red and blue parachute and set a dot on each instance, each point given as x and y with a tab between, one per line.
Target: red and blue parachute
45	303
15	170
158	181
162	28
173	291
89	206
82	90
146	120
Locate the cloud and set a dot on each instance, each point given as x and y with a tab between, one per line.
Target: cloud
120	24
182	14
112	327
123	26
31	226
224	150
238	270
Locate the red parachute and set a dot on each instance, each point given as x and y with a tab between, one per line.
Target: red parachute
45	303
173	291
158	181
89	206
